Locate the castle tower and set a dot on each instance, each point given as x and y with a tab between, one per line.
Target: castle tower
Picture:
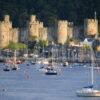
62	31
6	18
33	18
5	29
7	33
4	35
33	26
91	27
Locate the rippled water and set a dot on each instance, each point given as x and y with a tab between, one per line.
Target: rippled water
30	84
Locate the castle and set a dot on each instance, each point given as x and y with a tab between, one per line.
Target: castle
7	32
64	31
60	32
37	29
34	29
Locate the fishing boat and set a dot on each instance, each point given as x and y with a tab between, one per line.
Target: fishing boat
89	91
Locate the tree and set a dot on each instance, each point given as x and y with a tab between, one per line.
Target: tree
43	43
16	46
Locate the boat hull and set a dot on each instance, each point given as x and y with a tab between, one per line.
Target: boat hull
92	93
6	69
51	73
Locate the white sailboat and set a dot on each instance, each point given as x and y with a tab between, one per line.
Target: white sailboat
51	68
14	65
89	91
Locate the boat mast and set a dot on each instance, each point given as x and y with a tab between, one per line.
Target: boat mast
14	57
92	65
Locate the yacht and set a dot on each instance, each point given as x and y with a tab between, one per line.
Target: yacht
89	91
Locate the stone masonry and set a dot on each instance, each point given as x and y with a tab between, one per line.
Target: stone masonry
7	33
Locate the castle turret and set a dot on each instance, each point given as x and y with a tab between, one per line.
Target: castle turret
7	33
33	18
62	31
36	28
33	26
91	27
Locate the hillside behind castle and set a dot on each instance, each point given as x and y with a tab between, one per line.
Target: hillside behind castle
49	11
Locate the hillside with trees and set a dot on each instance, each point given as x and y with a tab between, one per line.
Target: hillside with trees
49	11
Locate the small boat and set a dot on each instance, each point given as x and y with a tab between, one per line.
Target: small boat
33	62
42	69
88	92
65	64
51	71
6	68
51	68
15	67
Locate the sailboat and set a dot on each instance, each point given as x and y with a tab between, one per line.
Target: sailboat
51	67
14	66
7	66
89	91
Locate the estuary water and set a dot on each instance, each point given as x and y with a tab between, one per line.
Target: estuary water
30	84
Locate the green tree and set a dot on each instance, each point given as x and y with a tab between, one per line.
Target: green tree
43	43
16	46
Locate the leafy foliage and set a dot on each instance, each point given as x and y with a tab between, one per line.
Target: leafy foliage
49	11
43	43
86	46
16	46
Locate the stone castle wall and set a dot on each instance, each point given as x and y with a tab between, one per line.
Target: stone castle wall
91	27
15	35
60	32
24	35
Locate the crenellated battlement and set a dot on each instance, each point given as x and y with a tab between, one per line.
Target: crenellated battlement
32	18
70	23
7	18
62	22
91	20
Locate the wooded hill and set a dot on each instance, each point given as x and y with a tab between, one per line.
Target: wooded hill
49	11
